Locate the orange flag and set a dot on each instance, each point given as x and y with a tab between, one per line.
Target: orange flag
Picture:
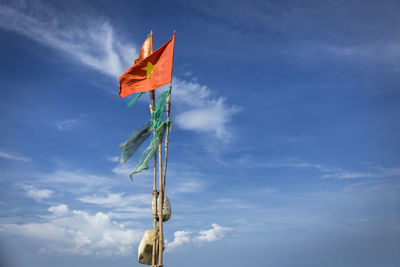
147	48
149	73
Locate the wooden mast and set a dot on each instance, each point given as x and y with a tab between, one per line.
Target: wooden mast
158	241
154	192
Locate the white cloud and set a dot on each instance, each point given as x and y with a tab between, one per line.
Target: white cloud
113	159
90	43
67	124
374	172
187	187
180	238
216	232
326	172
118	200
191	93
370	187
387	52
123	169
59	210
213	118
344	174
290	164
231	203
200	111
37	194
122	207
395	171
143	179
78	232
13	157
85	180
75	182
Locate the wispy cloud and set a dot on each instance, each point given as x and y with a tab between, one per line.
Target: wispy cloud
388	52
216	232
186	179
213	118
190	186
117	200
75	182
374	172
113	159
67	124
142	179
37	194
326	171
121	206
201	110
6	155
59	210
123	169
91	43
231	203
180	238
250	161
77	232
371	186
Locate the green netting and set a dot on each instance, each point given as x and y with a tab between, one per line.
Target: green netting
152	148
156	118
135	140
133	101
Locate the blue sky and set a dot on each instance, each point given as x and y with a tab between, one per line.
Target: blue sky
284	149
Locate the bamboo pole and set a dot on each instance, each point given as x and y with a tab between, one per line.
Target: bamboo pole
160	205
154	193
168	108
154	254
156	249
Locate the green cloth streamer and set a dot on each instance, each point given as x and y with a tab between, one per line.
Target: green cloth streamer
133	101
139	136
148	154
156	118
135	140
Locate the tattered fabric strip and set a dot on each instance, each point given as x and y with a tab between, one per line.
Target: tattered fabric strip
139	135
133	101
152	148
156	117
135	140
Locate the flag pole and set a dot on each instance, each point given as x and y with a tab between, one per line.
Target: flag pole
168	109
162	181
160	204
154	192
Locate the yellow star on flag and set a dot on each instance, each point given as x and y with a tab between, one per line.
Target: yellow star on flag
149	69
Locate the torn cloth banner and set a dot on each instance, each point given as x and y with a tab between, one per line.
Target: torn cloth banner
149	73
139	135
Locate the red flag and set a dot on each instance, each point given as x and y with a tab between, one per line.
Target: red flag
149	73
